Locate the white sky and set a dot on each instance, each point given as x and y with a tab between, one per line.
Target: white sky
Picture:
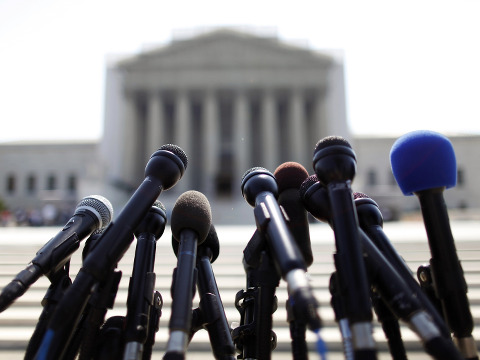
409	64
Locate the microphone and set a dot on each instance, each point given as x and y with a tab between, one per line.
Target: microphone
215	320
190	222
260	190
371	221
92	213
164	169
290	176
142	282
423	163
334	162
385	279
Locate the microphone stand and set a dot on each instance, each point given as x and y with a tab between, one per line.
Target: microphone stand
94	317
424	276
140	298
60	281
298	331
211	314
268	281
447	273
259	302
153	325
182	296
85	337
338	307
244	336
390	326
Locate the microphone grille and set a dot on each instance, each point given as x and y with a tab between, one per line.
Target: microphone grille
307	183
159	205
249	171
191	211
331	141
177	150
100	206
359	195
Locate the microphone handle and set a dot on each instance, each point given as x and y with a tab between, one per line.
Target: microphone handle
56	252
378	237
64	319
118	236
268	281
337	303
140	290
290	201
153	325
351	270
282	245
390	326
182	295
102	299
447	271
248	308
60	282
19	285
349	262
50	258
287	257
212	307
394	291
298	331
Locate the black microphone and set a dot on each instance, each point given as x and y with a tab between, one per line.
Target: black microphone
164	169
142	282
385	279
211	306
92	213
260	190
423	163
371	221
190	222
334	162
290	176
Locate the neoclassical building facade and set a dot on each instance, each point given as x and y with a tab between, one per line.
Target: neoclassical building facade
231	100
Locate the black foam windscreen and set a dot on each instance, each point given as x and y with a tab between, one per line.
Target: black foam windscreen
191	211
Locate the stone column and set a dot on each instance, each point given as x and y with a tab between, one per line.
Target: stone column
320	123
210	167
241	139
297	135
182	134
129	139
155	123
269	131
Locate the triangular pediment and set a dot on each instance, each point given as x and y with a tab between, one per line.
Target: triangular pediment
225	48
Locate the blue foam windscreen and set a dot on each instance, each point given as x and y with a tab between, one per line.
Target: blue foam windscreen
423	160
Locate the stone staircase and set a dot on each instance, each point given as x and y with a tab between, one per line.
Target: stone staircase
18	246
